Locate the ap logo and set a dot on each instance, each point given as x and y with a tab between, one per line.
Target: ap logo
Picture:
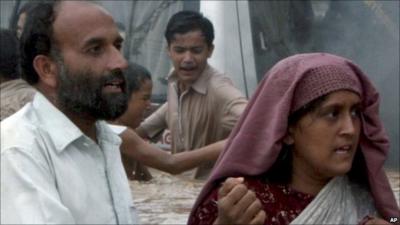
393	219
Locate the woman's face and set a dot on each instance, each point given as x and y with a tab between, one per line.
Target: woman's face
325	140
138	104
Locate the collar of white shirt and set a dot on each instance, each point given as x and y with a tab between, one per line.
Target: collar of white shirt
61	129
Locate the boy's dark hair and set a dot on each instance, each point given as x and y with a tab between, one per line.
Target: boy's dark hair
185	21
8	54
37	38
135	76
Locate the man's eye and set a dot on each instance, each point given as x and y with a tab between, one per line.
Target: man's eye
118	46
197	50
179	50
95	50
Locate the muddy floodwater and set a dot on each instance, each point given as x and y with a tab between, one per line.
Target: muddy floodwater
167	199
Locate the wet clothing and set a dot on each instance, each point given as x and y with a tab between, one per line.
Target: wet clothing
52	173
134	169
204	114
281	203
257	140
14	94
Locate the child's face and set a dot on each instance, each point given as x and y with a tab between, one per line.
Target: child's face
138	104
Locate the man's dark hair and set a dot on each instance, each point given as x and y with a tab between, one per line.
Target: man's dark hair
8	55
185	21
25	8
37	38
135	76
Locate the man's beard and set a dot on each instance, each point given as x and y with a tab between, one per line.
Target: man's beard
82	93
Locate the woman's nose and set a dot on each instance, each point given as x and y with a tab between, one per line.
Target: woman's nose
350	125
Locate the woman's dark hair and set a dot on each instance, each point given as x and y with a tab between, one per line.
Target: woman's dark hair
135	76
281	171
8	55
358	172
37	38
186	21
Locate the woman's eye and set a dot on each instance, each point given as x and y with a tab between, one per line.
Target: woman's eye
332	114
355	113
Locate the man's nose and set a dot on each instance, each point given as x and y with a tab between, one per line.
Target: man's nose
187	57
117	60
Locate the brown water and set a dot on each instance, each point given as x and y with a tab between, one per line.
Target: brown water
167	199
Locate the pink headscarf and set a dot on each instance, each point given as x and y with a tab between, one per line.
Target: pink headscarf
256	140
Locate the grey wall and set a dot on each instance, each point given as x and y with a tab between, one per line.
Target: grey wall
365	31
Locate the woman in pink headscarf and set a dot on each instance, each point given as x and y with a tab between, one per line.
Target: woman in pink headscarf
309	149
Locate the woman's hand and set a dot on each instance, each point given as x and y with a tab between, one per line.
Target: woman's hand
238	205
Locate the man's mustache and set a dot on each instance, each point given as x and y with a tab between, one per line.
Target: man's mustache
116	74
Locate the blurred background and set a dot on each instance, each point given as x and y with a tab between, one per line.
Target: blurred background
251	36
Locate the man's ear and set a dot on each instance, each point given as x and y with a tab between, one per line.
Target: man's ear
210	50
168	50
288	139
47	70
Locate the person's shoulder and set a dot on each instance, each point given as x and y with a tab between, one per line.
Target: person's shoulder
219	80
19	130
23	117
12	103
14	95
218	77
17	86
222	88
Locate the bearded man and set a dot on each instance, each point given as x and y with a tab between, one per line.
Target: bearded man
60	163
